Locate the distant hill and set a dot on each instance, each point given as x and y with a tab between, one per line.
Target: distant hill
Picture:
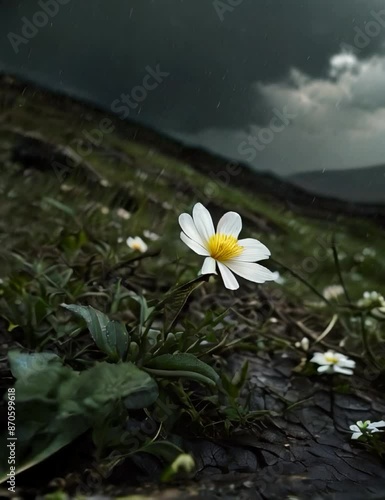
365	185
17	97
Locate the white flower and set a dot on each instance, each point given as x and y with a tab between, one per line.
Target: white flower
333	292
371	299
166	205
333	362
142	175
66	187
104	183
379	312
151	236
304	344
222	247
105	210
375	302
123	214
365	428
137	244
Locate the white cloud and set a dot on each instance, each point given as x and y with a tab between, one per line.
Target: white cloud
340	120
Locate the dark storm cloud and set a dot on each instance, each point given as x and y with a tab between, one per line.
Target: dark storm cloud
102	49
225	76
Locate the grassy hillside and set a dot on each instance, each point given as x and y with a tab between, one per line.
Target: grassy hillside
74	187
142	179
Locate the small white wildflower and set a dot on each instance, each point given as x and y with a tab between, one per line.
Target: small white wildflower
166	205
137	244
66	188
374	301
222	248
105	183
333	292
142	175
105	210
123	214
366	428
304	344
369	252
151	236
379	312
333	362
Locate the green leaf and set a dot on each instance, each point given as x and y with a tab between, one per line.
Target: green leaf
144	310
110	336
48	444
106	382
60	206
24	365
55	404
118	339
182	365
240	377
42	385
176	298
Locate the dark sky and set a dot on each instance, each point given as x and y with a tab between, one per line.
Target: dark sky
286	85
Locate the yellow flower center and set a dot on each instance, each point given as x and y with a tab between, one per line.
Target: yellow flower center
223	247
331	358
136	246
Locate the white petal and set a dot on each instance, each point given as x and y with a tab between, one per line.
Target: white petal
356	435
203	222
319	358
324	369
193	245
187	224
230	223
208	266
345	371
228	277
255	249
250	271
380	423
347	363
253	255
355	428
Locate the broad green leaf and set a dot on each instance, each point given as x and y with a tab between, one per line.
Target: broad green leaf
110	336
118	339
107	382
42	385
48	444
24	365
56	404
182	365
